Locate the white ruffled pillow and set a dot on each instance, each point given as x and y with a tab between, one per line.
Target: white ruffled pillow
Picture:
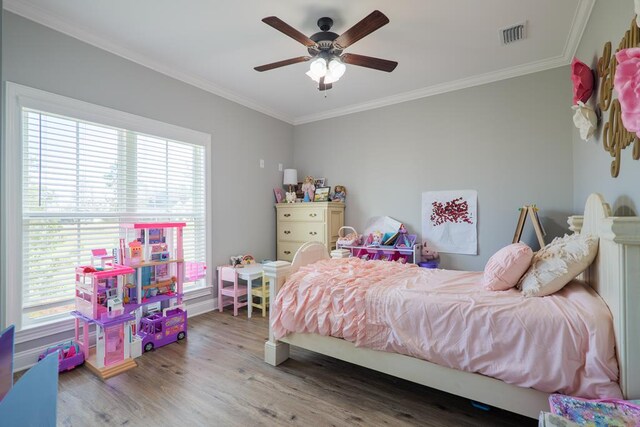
558	263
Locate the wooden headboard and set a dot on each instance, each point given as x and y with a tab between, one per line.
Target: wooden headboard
615	275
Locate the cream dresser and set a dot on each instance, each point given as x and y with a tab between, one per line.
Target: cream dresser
298	223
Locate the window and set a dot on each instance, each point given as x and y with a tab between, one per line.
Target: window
80	180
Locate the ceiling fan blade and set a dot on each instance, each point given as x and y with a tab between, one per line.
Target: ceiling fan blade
368	25
287	29
369	62
279	64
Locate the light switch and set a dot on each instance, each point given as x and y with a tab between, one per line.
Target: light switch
279	167
262	163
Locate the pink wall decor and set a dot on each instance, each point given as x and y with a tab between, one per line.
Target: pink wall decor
627	84
582	78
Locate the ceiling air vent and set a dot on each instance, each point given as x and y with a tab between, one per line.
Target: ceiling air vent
513	33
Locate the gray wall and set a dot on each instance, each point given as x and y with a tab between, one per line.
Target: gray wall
509	140
608	22
243	214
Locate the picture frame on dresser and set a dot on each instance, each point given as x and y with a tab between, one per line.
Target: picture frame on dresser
322	194
279	195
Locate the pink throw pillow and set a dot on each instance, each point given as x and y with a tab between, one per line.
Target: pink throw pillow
506	267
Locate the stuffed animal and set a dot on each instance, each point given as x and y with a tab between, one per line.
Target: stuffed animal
428	254
291	197
308	188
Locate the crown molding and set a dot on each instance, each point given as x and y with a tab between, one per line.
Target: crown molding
46	18
578	25
438	89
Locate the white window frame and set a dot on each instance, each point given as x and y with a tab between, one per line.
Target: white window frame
18	97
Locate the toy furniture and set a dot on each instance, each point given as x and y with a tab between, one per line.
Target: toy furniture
250	273
262	294
613	275
298	223
229	274
32	401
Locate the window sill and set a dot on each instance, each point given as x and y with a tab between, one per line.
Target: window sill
67	324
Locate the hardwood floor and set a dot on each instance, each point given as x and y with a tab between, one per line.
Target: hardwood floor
217	376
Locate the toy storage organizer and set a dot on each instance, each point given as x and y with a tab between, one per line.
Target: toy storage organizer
404	249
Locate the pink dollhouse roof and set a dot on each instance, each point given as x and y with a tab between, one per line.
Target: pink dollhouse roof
142	225
103	274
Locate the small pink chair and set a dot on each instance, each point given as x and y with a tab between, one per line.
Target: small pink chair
229	274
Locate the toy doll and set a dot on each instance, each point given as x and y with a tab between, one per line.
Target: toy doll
308	188
340	194
376	239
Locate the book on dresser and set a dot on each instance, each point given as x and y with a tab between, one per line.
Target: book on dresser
298	223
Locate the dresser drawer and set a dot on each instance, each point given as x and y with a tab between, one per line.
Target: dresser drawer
301	214
301	231
286	250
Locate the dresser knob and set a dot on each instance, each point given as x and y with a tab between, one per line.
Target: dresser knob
287	215
287	232
312	215
313	233
287	252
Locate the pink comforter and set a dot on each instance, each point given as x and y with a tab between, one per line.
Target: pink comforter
560	343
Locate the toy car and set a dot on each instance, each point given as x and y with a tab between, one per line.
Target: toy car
158	329
69	355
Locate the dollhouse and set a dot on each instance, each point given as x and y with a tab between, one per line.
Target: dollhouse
144	287
99	302
157	256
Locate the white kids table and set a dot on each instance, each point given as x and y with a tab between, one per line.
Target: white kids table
250	273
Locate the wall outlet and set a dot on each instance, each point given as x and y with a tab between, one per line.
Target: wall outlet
279	167
262	163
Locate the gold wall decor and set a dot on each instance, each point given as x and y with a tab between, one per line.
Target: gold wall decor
615	137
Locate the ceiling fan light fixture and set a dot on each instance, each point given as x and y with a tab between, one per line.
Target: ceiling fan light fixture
317	69
337	67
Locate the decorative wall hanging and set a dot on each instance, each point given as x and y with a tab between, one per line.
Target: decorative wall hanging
585	120
449	221
627	84
582	78
615	136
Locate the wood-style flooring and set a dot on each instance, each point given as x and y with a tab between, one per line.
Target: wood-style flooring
217	377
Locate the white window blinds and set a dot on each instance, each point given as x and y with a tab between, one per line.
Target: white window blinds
81	180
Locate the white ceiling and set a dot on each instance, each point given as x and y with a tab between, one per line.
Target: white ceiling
439	45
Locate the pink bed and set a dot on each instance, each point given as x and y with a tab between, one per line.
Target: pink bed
560	343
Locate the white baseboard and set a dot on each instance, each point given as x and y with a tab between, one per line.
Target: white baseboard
197	308
27	358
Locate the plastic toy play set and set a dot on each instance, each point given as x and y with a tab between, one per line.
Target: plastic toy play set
398	246
134	298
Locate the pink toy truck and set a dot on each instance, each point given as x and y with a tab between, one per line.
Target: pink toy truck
162	329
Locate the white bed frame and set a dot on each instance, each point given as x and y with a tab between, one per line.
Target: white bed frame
615	275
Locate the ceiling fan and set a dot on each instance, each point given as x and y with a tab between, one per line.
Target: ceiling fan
325	48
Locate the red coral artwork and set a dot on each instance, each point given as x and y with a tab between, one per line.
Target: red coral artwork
455	211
